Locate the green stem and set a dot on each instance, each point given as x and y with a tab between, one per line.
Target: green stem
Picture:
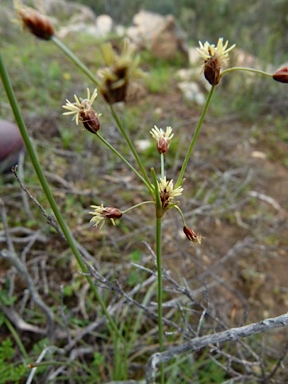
258	71
75	60
160	290
51	363
192	144
159	214
159	210
138	205
162	165
181	214
16	337
125	161
37	167
130	144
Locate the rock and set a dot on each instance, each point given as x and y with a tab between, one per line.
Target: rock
100	28
77	28
194	57
194	75
192	92
159	34
104	25
193	85
11	144
68	11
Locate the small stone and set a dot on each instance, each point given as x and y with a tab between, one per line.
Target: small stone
11	144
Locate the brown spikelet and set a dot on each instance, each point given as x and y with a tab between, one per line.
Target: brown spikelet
281	75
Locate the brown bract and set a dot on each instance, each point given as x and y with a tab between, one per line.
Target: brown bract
89	119
281	75
111	213
212	68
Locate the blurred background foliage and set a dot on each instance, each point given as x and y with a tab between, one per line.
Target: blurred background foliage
259	26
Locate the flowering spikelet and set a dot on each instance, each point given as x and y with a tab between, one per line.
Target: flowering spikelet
167	193
100	213
214	58
120	70
162	138
32	20
83	111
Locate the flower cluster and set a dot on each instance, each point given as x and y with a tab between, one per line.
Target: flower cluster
100	213
168	193
214	58
121	69
83	111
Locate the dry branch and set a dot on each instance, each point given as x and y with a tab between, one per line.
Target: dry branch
197	343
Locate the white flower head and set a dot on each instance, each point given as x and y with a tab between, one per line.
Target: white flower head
162	138
159	133
210	51
214	58
83	111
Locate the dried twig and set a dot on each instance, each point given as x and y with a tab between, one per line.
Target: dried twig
22	270
50	219
19	323
197	343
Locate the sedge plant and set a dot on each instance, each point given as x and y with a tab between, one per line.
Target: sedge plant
113	84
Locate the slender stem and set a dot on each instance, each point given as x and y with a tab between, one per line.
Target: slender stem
258	71
159	214
138	205
16	337
192	144
159	210
181	214
49	363
37	167
162	165
125	161
130	144
160	290
75	60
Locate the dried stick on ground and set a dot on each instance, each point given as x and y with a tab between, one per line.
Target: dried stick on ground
12	257
232	334
50	219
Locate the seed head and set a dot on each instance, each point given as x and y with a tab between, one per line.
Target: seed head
120	70
192	235
32	20
83	111
214	58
